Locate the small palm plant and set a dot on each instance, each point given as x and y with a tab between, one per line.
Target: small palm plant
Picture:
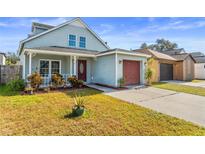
78	108
148	75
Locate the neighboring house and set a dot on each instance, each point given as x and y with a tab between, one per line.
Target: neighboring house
2	58
199	65
185	63
72	48
169	67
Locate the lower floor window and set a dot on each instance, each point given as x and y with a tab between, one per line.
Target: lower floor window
49	67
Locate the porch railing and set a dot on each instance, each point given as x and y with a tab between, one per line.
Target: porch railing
47	81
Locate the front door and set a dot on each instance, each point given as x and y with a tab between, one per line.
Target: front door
82	70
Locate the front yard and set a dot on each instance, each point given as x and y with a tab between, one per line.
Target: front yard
43	114
180	88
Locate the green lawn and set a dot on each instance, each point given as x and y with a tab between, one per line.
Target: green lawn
43	114
197	81
180	88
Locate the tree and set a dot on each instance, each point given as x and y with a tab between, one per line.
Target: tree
160	45
144	46
11	58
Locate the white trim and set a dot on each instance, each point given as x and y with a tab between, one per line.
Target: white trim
75	40
58	53
30	64
116	70
71	67
49	69
59	26
75	66
24	66
125	53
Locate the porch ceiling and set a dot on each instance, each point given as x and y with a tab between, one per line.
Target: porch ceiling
62	51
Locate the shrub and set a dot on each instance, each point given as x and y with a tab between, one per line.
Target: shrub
16	85
148	75
35	80
75	82
57	80
121	82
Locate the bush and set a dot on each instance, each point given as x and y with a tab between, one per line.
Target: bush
75	82
16	85
121	82
57	80
35	80
148	75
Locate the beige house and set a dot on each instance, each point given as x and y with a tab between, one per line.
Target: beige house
170	67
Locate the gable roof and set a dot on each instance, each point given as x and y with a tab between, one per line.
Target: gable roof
174	51
59	26
40	25
155	54
200	59
1	53
197	54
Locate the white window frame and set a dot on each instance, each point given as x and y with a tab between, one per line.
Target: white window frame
75	40
79	42
49	69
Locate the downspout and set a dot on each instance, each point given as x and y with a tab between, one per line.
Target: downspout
116	70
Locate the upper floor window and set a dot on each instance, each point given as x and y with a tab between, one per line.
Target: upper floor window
82	42
72	40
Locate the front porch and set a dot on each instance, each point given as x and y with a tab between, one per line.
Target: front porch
67	64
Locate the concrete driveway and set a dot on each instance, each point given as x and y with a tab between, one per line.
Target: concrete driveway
185	106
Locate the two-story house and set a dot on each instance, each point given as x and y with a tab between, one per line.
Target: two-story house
72	48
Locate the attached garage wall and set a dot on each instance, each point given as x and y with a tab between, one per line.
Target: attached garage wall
104	70
200	71
178	71
142	60
154	65
188	69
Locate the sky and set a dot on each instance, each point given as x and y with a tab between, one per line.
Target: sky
126	33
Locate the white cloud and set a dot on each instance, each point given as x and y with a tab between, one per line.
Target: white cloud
105	28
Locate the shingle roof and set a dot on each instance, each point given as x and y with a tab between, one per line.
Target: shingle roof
45	26
174	51
2	53
180	57
156	54
197	54
200	59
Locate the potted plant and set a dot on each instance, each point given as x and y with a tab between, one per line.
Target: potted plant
78	108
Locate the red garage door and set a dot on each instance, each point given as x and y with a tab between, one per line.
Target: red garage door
131	72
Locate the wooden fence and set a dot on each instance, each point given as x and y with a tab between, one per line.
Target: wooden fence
10	72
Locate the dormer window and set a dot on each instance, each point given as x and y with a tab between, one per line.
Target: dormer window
72	40
82	43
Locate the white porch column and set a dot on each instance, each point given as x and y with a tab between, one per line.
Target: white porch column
75	65
116	70
71	65
30	63
24	65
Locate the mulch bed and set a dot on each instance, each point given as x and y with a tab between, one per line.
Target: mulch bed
54	90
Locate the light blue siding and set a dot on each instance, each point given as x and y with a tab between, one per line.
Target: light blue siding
104	70
59	37
65	64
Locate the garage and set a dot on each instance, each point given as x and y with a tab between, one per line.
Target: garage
166	71
131	72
